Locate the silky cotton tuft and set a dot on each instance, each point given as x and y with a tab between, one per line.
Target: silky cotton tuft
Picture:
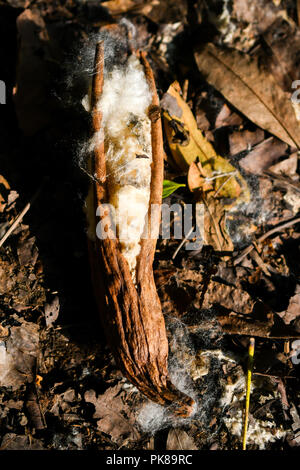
126	131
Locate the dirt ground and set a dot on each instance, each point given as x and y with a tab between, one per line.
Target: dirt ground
237	63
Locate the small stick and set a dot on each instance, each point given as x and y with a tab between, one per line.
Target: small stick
18	219
223	184
182	243
185	89
248	390
278	228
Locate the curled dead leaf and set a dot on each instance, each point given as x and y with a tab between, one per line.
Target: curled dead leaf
251	90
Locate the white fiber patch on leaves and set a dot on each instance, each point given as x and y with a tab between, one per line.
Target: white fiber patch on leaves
126	130
259	432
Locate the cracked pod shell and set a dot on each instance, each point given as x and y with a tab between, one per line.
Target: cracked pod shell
131	313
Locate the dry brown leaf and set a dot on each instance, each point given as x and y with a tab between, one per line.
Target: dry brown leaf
215	232
166	11
115	413
287	167
262	156
4	187
229	297
178	439
227	117
18	355
293	310
242	140
251	90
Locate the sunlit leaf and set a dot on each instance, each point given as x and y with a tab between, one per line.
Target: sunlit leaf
169	187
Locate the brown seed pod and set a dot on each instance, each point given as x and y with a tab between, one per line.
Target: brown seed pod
130	311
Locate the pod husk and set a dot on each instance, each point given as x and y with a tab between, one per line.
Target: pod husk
131	314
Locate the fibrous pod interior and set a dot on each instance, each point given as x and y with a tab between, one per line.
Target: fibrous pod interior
127	172
126	130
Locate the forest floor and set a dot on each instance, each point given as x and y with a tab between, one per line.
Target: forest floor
236	62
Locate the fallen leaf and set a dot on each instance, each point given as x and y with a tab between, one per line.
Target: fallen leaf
178	439
214	181
27	252
242	140
287	167
12	441
4	189
227	117
251	90
115	413
227	296
262	156
187	144
215	232
283	40
293	310
258	14
18	355
157	11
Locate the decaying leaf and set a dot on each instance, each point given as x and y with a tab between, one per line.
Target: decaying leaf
243	140
18	355
178	439
230	297
115	413
156	11
293	310
213	179
4	186
263	155
187	144
13	441
251	90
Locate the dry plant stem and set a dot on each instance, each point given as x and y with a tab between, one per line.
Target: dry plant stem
182	243
185	89
19	218
248	390
276	229
131	314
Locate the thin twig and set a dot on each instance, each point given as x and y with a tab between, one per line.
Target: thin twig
223	184
185	89
182	243
276	229
18	219
248	390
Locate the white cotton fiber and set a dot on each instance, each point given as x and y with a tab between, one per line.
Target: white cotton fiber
127	137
